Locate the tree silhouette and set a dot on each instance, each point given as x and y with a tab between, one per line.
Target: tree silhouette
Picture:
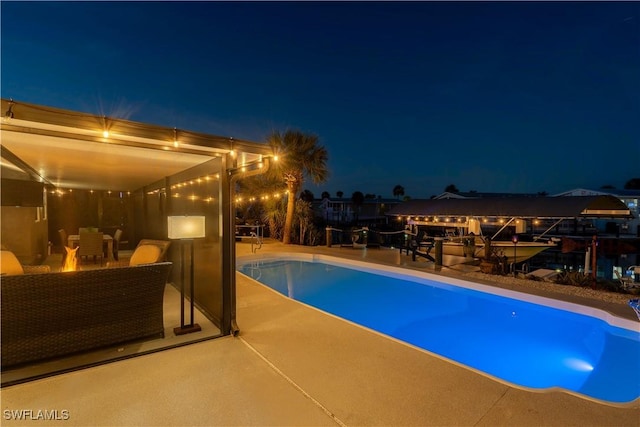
358	199
398	191
307	196
632	184
451	189
300	156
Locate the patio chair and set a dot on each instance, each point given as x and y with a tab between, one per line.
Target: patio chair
635	271
63	238
627	280
11	266
91	244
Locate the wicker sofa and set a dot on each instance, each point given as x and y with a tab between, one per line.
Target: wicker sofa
57	314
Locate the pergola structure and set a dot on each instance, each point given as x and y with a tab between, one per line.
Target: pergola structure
163	171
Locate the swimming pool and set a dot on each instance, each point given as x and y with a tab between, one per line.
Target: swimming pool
525	340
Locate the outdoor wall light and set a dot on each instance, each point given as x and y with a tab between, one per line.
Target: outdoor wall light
186	228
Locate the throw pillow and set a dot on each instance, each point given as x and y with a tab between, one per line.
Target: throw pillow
145	254
9	264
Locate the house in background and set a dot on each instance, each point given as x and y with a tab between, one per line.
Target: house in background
609	215
630	198
480	195
625	226
339	211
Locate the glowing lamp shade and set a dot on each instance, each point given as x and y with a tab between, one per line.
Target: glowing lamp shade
185	227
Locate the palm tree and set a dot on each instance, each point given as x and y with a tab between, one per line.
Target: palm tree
632	184
398	191
300	156
357	199
307	196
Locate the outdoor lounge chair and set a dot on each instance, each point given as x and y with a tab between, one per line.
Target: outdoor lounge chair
627	280
59	314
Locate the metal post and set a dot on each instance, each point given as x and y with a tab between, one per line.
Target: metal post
514	239
438	246
181	284
191	279
594	266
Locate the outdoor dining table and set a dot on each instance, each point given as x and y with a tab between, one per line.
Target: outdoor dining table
74	240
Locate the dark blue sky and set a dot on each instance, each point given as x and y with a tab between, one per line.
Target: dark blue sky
504	97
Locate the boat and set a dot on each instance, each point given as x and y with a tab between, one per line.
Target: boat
474	247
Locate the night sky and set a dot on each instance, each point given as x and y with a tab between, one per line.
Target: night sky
493	97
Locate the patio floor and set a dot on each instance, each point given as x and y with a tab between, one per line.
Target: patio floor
294	365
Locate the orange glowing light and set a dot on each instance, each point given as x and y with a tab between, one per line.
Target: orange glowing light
70	260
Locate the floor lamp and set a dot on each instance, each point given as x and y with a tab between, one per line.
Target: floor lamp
185	229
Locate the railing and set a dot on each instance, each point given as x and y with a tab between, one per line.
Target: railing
364	237
255	236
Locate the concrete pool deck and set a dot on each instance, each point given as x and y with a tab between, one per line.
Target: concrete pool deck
293	365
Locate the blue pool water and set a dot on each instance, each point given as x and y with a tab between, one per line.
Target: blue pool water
527	344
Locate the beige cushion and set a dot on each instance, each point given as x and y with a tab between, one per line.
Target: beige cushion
9	264
145	254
